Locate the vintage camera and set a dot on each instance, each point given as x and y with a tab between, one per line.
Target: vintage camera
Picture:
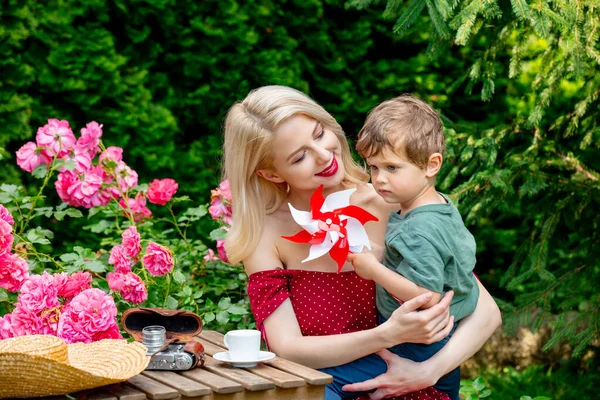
166	356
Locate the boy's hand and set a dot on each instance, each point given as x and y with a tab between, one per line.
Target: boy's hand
364	264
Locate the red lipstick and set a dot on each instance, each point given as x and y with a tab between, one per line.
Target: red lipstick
330	170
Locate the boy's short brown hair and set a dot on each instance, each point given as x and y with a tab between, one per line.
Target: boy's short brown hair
406	125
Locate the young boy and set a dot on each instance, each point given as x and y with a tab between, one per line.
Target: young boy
427	246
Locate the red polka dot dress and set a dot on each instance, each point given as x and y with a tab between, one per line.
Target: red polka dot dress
325	303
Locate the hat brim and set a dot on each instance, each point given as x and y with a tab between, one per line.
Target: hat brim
89	366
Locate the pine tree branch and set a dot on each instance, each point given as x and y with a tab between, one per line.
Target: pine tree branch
549	289
573	162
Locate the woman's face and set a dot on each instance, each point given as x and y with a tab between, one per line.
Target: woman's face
306	155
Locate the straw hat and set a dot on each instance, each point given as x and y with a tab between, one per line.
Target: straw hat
43	365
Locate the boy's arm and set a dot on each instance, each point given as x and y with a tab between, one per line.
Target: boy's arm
367	267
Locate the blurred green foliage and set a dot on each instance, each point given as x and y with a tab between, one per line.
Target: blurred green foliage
516	83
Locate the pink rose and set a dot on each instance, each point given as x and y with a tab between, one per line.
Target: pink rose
120	259
221	251
69	286
29	156
57	137
63	183
111	333
25	322
49	321
112	153
38	293
85	191
137	207
89	313
6	237
90	138
14	271
6	331
126	177
131	241
210	256
82	158
220	204
220	211
158	259
161	191
130	286
5	215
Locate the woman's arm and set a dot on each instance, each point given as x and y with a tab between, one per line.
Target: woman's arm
405	376
406	325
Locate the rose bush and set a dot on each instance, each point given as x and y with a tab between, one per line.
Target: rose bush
145	255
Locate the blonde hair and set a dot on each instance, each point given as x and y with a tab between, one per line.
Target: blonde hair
406	125
248	137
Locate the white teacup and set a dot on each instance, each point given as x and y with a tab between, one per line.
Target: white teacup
243	344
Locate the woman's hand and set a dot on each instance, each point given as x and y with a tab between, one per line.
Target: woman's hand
402	376
406	324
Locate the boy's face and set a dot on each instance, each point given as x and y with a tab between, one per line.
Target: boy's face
396	179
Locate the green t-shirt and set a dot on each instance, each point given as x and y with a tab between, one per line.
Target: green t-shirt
431	246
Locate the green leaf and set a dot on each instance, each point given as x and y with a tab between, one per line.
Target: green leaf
224	303
95	266
70	164
197	211
12	190
73	212
209	317
485	393
237	309
3	296
479	384
218	234
60	215
45	211
178	276
222	317
172	304
69	257
40	171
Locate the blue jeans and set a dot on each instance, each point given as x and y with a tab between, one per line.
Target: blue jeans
372	366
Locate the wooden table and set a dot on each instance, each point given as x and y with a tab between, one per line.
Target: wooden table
274	379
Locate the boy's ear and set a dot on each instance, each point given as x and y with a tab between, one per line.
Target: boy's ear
269	175
434	165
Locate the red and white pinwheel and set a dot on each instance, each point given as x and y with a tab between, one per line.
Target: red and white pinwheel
332	226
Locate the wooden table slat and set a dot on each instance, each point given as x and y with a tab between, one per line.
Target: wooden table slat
248	380
216	382
310	375
280	378
185	386
214	337
100	396
125	392
154	390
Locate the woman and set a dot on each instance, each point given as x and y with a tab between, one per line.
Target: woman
279	147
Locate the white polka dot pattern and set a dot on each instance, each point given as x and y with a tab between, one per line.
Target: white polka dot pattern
325	303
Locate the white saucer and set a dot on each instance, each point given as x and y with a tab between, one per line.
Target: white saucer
262	356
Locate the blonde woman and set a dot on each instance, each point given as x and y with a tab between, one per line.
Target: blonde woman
279	147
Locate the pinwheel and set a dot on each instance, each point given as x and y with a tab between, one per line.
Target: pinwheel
332	226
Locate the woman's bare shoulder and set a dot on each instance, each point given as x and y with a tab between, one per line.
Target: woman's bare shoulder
266	256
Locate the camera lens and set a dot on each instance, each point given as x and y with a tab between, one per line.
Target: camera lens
154	338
